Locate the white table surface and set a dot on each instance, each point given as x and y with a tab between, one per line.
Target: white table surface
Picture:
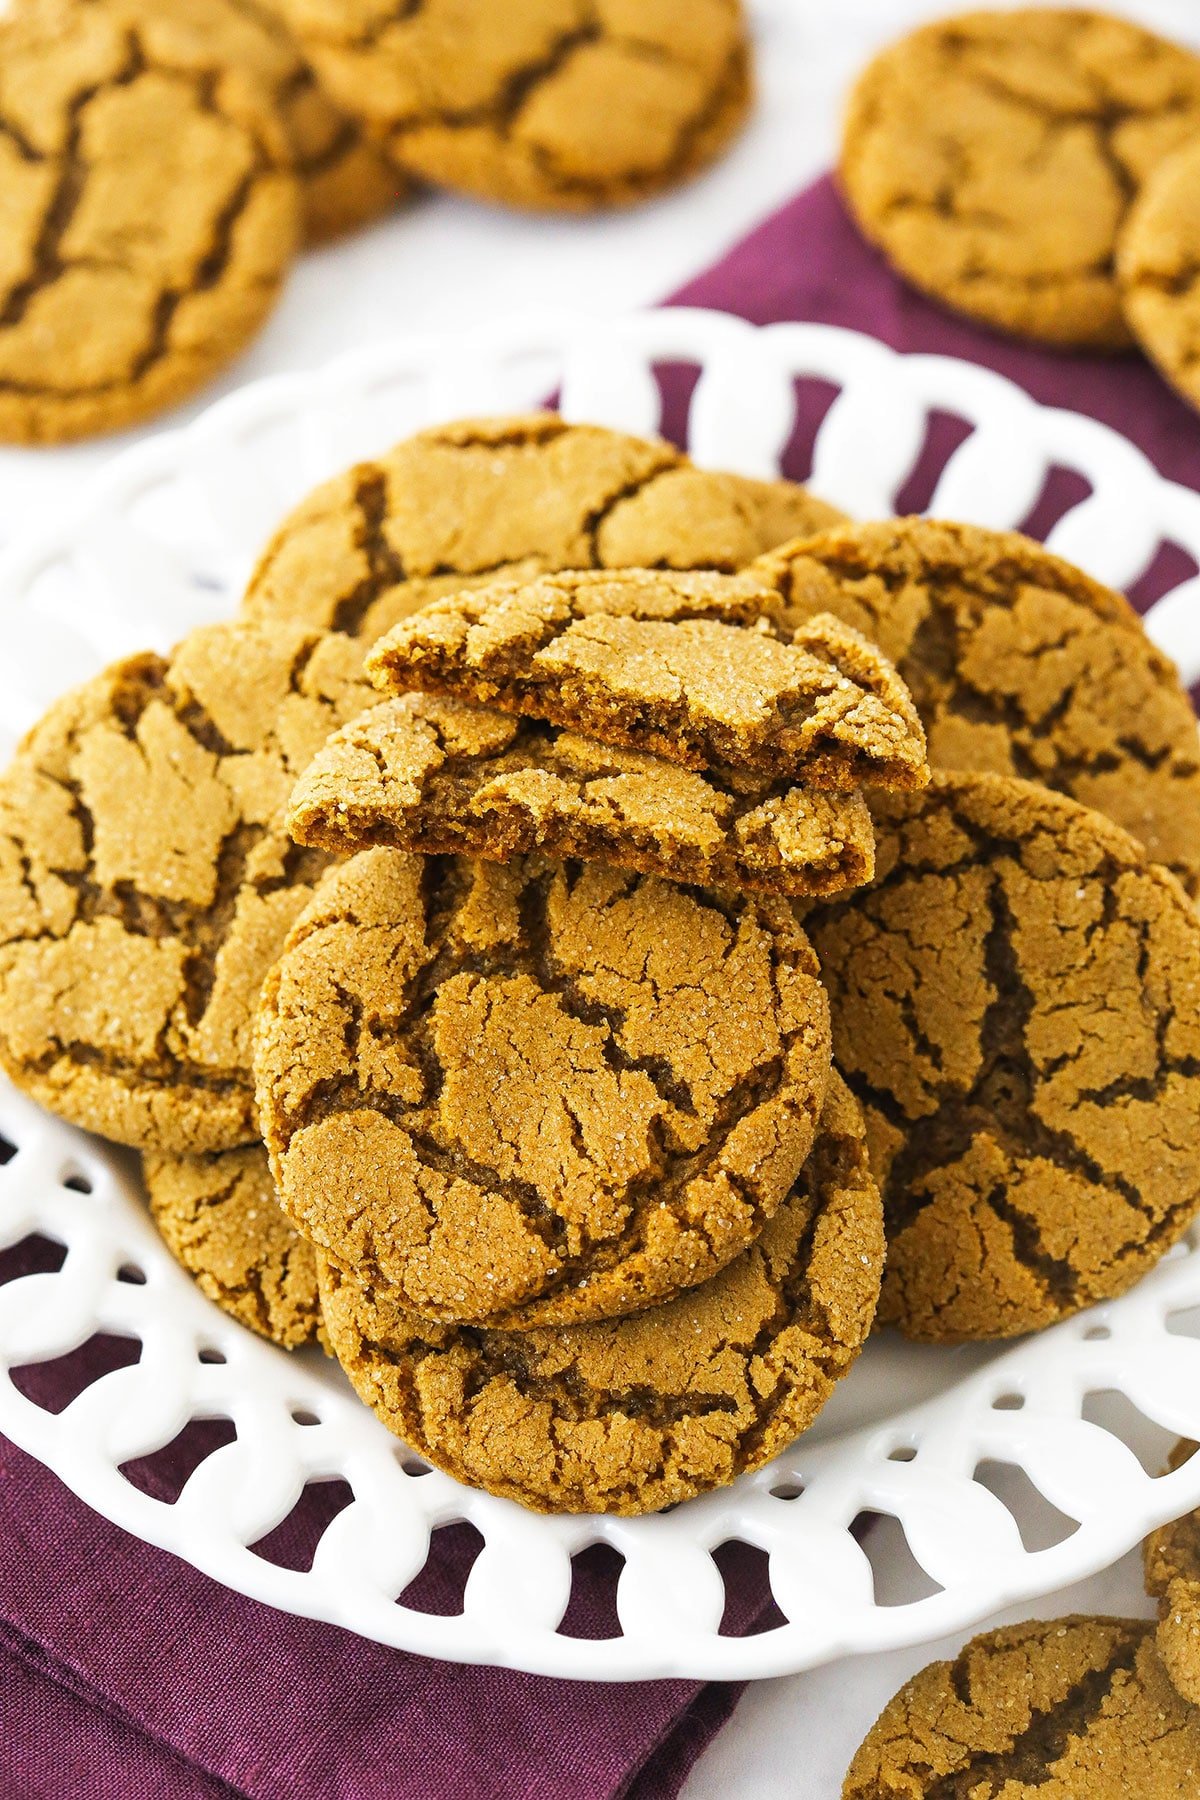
443	262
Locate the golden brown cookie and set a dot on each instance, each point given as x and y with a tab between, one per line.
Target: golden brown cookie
1172	1562
559	1087
439	776
520	496
1060	1709
1019	664
627	1415
145	886
561	105
219	1217
694	667
150	213
1158	266
1016	1002
993	157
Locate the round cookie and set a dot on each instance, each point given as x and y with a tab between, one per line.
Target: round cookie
1016	1003
147	884
345	178
559	105
1158	266
1019	664
1064	1709
993	157
555	1087
473	501
151	212
628	1415
219	1217
1172	1562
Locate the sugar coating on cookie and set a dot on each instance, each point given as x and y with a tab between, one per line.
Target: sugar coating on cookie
694	667
1069	1709
219	1217
147	884
1019	664
1016	1002
490	1085
993	157
1172	1564
427	773
478	499
627	1415
552	104
1158	266
151	211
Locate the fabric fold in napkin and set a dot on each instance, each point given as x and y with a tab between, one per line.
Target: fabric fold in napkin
125	1673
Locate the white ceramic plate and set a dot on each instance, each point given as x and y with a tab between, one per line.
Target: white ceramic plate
992	1474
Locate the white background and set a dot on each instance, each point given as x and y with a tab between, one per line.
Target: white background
442	262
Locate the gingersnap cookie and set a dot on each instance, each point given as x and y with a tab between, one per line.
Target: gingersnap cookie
628	1415
1064	1709
219	1217
146	885
563	1088
993	158
697	668
1016	1002
1172	1563
439	776
150	212
559	105
1019	664
1158	267
473	501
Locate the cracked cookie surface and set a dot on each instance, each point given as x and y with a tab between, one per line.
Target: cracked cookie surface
1158	265
1172	1565
695	667
436	775
147	884
556	1087
219	1217
1019	664
1067	1709
993	157
1016	1003
552	104
628	1415
151	212
518	496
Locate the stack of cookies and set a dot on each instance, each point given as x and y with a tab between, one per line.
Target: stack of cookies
461	933
1039	170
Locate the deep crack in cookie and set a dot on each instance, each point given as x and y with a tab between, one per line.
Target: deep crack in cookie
629	1415
1016	1003
562	1088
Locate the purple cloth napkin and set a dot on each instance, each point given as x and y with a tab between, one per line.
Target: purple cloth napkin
123	1672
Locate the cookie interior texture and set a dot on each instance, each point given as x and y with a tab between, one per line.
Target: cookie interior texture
1075	1708
553	104
219	1217
147	884
558	1088
1158	266
1016	1002
482	498
1019	664
692	666
993	157
439	776
629	1415
151	214
1172	1563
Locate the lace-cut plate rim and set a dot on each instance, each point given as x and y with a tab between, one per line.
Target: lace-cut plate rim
939	1485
